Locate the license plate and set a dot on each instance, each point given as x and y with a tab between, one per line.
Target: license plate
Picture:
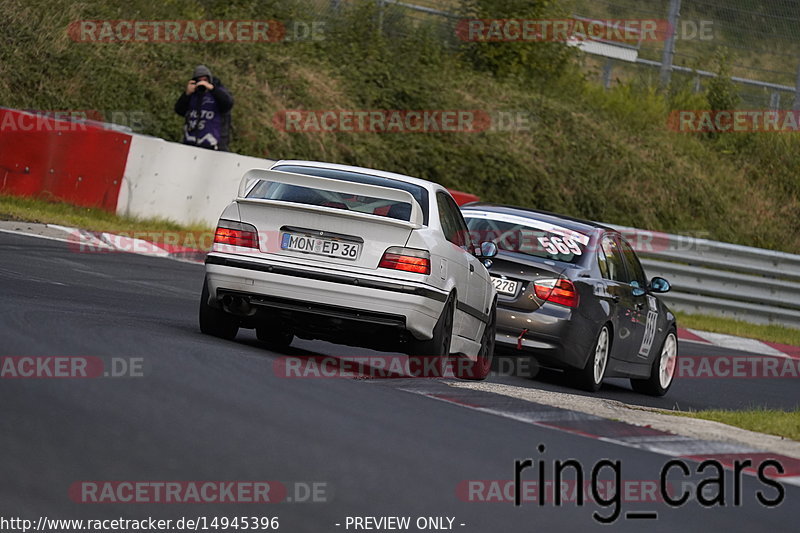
315	245
505	286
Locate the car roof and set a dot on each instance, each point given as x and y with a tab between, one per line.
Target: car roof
362	170
568	222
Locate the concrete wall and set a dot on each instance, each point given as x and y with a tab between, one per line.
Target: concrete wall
183	183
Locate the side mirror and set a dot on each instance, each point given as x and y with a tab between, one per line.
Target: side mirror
658	284
488	250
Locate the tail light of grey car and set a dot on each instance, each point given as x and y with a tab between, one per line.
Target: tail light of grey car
557	290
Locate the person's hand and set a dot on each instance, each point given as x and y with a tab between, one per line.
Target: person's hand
206	84
190	87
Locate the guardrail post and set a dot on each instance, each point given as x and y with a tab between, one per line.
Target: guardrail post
774	101
608	67
669	45
381	6
796	105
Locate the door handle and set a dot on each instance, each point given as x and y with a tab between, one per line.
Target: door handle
471	267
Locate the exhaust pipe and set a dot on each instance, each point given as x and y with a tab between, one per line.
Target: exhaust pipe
237	305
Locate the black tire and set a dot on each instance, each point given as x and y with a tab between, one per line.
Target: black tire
273	336
479	369
662	371
215	321
590	377
428	358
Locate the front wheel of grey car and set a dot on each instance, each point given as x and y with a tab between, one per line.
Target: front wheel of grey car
215	321
590	377
662	371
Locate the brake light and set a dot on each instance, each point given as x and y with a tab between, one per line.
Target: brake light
407	259
558	291
236	234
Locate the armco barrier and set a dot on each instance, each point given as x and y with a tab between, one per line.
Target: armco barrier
708	277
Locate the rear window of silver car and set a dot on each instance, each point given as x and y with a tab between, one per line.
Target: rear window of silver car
400	211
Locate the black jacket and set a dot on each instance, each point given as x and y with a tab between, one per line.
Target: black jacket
224	101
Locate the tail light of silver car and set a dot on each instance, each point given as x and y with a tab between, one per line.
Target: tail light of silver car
556	290
407	259
233	233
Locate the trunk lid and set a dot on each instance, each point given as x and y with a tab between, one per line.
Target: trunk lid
317	220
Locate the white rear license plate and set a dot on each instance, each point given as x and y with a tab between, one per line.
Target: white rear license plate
315	245
505	286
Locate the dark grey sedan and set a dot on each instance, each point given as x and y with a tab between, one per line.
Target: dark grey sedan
573	294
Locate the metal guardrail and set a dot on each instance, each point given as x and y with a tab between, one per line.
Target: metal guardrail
715	278
619	51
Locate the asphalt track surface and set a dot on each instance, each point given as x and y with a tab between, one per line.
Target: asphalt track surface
208	409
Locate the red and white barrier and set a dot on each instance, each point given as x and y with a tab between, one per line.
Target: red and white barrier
87	164
75	162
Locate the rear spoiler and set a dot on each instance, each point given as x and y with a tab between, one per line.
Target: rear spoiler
252	177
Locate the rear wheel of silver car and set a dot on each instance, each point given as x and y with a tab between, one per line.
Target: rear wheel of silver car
215	321
662	371
274	336
482	366
591	376
430	356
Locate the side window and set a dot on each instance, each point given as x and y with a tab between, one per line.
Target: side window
636	274
455	229
602	262
613	259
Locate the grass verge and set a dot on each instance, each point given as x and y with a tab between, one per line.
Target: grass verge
763	332
152	229
784	424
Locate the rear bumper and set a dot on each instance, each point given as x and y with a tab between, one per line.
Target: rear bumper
280	287
553	333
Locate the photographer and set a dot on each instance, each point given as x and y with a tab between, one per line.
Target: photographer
206	106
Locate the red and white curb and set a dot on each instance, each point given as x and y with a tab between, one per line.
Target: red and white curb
95	241
731	342
616	432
